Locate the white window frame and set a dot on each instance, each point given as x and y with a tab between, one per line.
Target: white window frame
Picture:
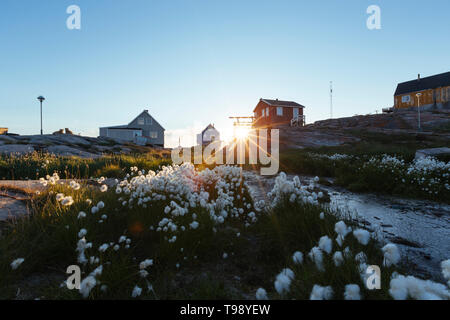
154	134
141	121
263	113
267	111
280	111
406	99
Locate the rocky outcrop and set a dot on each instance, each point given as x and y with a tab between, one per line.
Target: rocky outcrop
68	145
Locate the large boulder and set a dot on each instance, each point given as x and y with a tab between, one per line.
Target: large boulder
434	152
16	149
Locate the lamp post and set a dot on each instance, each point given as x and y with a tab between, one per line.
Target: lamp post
418	106
41	98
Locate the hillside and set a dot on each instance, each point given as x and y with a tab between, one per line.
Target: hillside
346	131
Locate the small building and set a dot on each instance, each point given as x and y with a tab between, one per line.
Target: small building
3	130
143	130
208	135
434	90
272	113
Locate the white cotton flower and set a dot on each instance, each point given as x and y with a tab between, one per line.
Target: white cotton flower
103	247
67	201
282	283
81	214
391	254
94	210
352	292
194	225
338	258
86	285
225	255
322	215
321	293
116	247
363	236
104	217
316	256
445	266
59	196
16	263
341	229
146	263
136	292
297	257
82	233
261	294
402	288
326	244
122	239
104	188
100	205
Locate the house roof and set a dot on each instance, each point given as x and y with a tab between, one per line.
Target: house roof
146	112
210	126
432	82
281	103
123	128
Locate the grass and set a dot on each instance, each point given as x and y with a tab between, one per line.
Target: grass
48	237
37	165
356	174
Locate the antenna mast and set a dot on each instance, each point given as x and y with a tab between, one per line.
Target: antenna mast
331	99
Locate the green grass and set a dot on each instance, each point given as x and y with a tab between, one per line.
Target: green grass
37	165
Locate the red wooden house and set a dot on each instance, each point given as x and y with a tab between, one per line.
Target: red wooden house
272	113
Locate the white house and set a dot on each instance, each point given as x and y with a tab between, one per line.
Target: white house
208	135
144	129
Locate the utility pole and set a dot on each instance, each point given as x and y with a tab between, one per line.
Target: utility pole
331	99
41	98
418	106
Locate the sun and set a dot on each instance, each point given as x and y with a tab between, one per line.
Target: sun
241	133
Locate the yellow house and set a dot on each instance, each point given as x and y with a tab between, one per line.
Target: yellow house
434	92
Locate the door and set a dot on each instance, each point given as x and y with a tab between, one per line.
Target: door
295	113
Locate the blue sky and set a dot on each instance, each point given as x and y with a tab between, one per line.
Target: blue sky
195	62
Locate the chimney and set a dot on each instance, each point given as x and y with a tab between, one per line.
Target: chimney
418	77
146	111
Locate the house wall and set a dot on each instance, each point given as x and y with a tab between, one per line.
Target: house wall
149	125
3	130
428	97
123	134
273	118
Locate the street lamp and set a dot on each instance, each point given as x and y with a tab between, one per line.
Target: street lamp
418	106
41	98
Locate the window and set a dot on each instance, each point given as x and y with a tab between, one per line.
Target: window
153	134
263	112
267	111
406	99
279	111
141	121
295	113
148	120
255	114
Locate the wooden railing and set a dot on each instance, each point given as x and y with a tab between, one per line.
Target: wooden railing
298	121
